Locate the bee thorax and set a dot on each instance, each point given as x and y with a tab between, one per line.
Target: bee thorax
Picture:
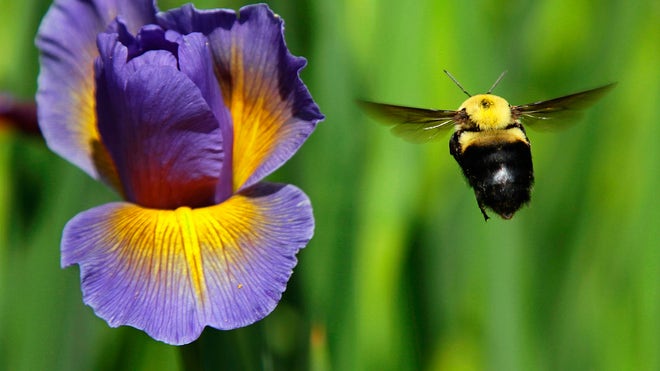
488	111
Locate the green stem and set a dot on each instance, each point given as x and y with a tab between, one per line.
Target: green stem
191	356
241	349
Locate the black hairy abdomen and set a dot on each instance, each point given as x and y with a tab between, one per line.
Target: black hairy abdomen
501	174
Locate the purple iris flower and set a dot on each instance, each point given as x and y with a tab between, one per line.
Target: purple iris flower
183	113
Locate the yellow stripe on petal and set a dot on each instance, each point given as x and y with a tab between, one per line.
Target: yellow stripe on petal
101	158
182	238
191	249
271	109
85	127
165	245
257	124
66	97
172	272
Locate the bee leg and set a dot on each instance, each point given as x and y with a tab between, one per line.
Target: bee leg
483	211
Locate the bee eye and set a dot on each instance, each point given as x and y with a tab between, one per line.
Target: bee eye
485	103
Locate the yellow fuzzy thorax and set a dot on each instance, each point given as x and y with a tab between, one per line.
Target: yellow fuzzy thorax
488	112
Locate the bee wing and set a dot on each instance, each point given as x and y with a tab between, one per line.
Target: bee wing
417	125
543	115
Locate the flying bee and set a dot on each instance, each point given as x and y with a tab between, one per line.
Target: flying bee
489	141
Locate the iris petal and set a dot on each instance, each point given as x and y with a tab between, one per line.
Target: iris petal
272	110
151	111
195	61
67	41
171	272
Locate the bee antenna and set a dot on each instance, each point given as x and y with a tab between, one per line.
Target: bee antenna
457	83
496	82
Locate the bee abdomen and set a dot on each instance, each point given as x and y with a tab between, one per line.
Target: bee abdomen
501	174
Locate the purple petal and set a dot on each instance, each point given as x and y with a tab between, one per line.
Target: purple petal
272	110
172	272
134	13
161	134
195	61
67	41
150	37
187	19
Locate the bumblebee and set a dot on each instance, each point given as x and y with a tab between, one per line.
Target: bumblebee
489	141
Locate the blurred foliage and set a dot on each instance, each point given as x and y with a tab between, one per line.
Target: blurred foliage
403	273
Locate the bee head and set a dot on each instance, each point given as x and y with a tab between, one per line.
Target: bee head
488	111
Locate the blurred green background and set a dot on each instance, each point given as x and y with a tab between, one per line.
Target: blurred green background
403	273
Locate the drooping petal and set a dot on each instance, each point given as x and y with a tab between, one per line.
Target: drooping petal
67	41
172	272
161	134
272	110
